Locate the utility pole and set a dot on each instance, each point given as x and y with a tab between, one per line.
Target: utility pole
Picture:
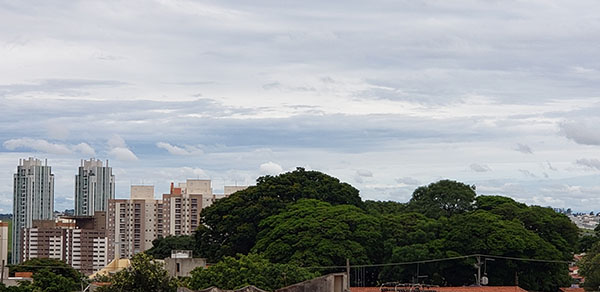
348	271
478	266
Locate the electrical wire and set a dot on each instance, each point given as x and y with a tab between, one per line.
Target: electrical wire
441	260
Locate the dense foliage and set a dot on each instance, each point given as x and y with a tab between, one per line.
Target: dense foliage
143	275
253	269
316	233
310	219
162	247
49	275
443	198
231	225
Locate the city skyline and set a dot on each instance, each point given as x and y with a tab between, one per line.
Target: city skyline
385	96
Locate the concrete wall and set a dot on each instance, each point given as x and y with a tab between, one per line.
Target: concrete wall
142	192
186	265
327	283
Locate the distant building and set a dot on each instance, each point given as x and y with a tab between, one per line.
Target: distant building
80	241
94	186
134	223
33	199
4	242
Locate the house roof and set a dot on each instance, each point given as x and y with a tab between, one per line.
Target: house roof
456	289
569	289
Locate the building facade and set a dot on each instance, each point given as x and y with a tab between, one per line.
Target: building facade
134	223
79	241
33	199
4	243
94	186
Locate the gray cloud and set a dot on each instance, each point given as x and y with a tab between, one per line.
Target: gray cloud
585	133
524	149
408	181
589	163
62	87
411	88
527	173
480	167
176	150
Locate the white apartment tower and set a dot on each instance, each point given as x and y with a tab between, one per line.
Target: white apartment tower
94	186
33	199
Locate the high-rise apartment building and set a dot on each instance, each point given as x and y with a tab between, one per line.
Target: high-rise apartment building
94	186
33	199
134	223
79	241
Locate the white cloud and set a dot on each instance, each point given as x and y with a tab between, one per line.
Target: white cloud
39	145
116	141
84	149
44	146
271	168
123	154
480	167
176	150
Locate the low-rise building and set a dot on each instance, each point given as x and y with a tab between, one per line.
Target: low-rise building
181	263
80	241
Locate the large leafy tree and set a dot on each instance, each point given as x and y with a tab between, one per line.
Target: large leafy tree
316	233
143	275
487	233
49	275
162	247
53	265
589	267
555	228
231	224
443	198
244	270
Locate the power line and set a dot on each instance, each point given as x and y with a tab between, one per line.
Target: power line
442	260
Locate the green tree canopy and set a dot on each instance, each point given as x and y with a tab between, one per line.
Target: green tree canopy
253	269
162	247
379	208
589	267
53	265
482	232
143	275
49	275
553	227
443	198
231	224
311	232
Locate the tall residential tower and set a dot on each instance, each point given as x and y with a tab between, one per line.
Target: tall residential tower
94	186
33	199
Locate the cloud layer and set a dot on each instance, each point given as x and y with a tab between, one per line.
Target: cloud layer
386	96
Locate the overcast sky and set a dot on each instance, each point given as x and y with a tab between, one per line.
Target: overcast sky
384	95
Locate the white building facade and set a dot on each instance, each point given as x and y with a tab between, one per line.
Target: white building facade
33	199
94	186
